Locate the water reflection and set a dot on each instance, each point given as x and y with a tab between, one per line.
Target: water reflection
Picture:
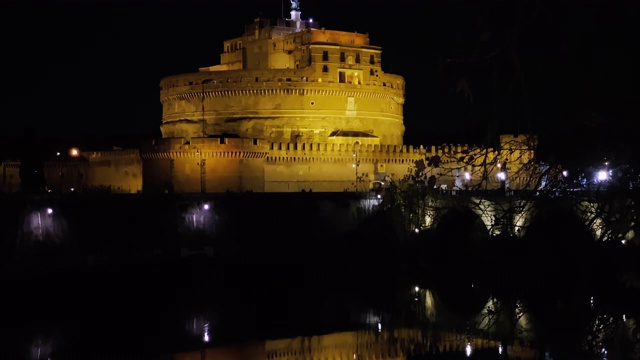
199	217
43	225
41	348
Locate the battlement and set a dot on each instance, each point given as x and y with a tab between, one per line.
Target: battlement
447	152
243	79
111	153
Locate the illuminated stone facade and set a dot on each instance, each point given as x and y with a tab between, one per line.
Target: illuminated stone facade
289	108
289	82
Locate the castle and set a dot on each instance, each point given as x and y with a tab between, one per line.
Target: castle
291	107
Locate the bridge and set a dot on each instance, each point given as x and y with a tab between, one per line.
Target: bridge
608	216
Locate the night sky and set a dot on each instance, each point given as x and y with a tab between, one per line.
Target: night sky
562	70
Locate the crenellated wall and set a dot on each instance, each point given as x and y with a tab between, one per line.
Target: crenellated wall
213	165
281	105
233	164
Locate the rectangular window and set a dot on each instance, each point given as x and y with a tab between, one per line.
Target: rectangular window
371	72
325	56
372	59
342	58
358	58
325	68
342	77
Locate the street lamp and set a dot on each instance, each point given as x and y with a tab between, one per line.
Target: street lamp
356	164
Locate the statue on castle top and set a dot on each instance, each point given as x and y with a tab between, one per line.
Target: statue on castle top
295	5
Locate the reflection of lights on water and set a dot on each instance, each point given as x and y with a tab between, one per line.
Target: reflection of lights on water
467	349
205	332
500	349
41	349
200	217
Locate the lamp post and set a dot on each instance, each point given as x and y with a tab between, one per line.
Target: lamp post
356	164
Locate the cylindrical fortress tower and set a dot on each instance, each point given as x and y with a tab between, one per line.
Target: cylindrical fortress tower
289	82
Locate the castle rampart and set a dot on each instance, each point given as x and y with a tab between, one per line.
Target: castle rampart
281	105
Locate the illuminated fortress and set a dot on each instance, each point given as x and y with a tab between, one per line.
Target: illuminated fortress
289	82
290	107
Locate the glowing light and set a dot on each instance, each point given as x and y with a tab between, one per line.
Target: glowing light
467	176
624	317
623	241
499	165
58	153
500	349
73	189
74	152
206	206
310	20
49	211
417	288
468	349
417	230
379	196
502	176
205	332
379	327
603	175
565	173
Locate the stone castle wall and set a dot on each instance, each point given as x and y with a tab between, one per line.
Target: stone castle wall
116	171
219	165
214	165
281	105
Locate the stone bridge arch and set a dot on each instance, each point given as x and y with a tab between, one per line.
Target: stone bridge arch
608	219
513	213
460	223
500	215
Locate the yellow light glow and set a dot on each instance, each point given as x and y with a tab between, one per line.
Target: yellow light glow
74	152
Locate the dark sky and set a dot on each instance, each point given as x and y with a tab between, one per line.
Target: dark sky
562	70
